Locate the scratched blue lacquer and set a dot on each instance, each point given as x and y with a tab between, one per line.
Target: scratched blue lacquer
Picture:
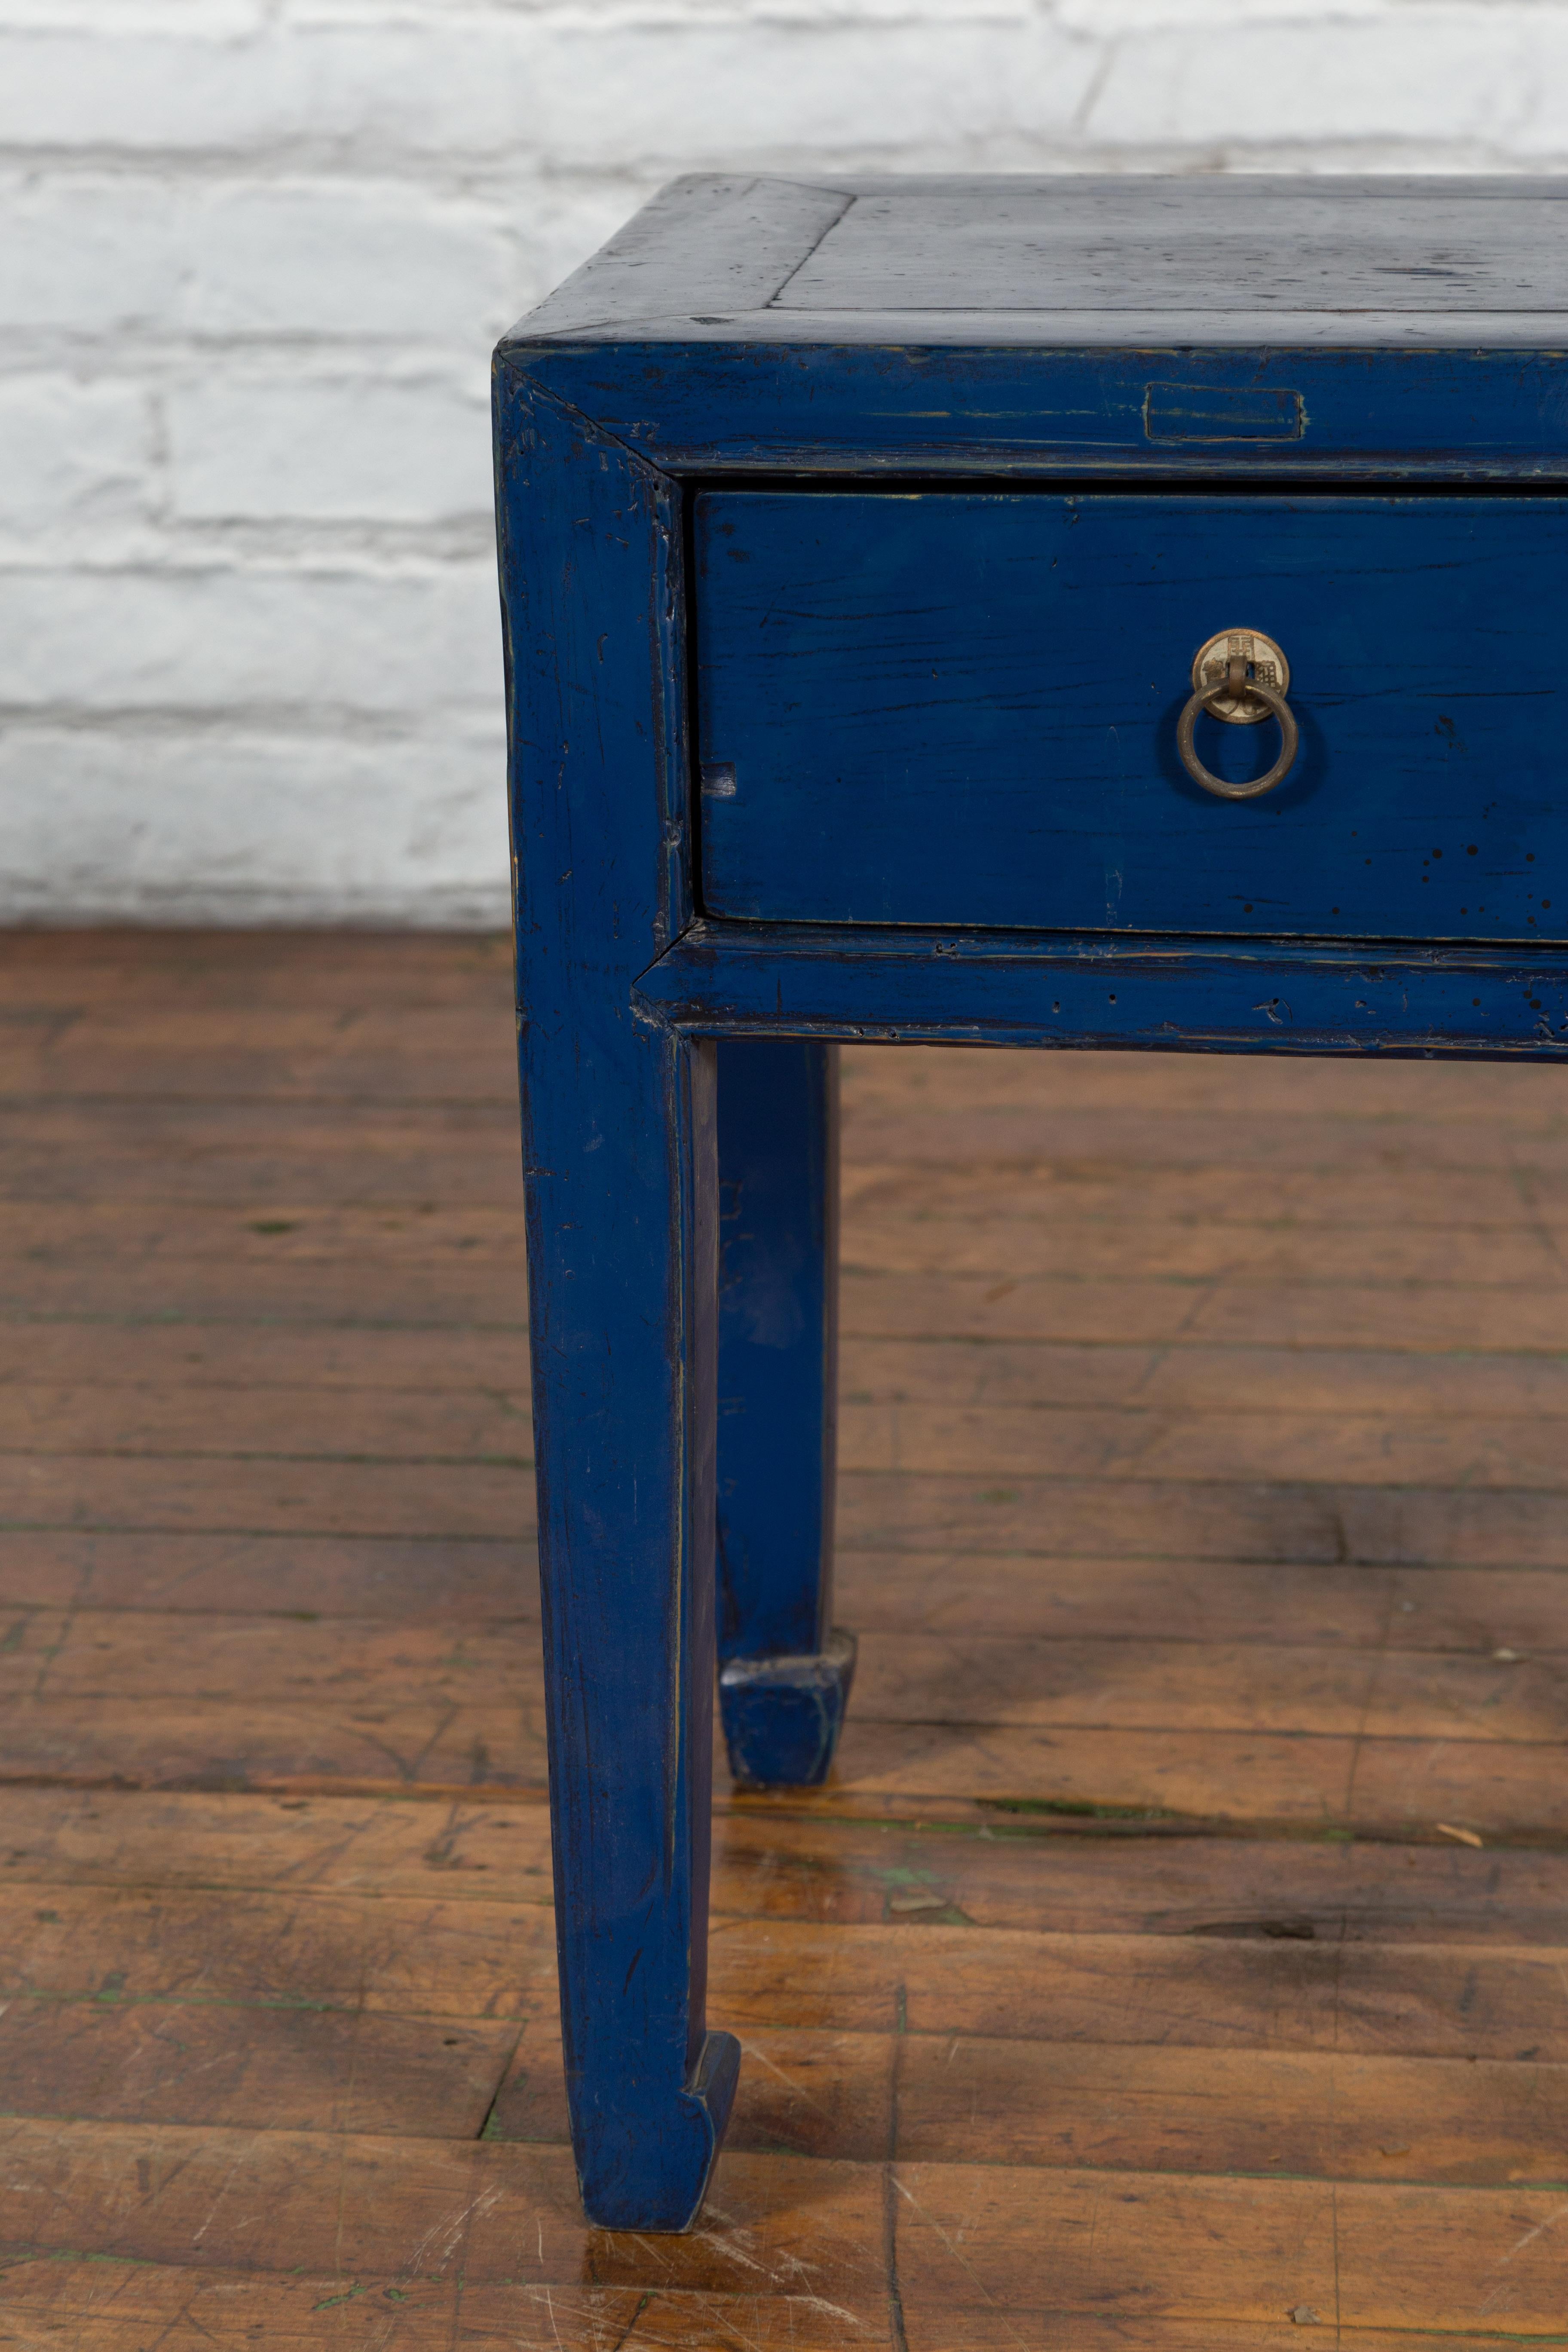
1206	415
990	734
621	1166
701	406
953	566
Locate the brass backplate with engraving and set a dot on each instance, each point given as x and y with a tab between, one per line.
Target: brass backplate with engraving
1264	660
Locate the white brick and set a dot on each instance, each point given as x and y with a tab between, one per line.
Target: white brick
330	451
102	256
457	90
1428	75
614	13
1106	19
76	464
1542	128
208	19
603	91
212	640
233	825
722	94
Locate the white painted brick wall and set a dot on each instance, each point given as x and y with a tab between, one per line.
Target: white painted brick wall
255	253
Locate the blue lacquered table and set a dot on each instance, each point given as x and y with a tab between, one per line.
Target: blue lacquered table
1027	613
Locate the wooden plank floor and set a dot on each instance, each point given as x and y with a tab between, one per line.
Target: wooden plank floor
1179	1960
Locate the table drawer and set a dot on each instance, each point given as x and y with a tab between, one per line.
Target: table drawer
962	709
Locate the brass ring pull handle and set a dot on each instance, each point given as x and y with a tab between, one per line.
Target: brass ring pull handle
1239	676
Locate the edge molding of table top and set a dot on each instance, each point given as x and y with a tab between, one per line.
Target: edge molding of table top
1109	259
737	323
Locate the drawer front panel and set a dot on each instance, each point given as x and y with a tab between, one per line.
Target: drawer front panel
961	708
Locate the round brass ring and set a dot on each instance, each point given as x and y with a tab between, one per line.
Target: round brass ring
1289	742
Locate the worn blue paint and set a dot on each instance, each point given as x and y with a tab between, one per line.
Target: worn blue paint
1162	995
962	709
701	406
782	1715
621	1168
959	852
1206	415
781	1693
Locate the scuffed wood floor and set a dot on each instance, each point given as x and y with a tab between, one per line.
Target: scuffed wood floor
1182	1945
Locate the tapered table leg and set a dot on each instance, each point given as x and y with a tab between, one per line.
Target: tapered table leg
621	1173
623	1319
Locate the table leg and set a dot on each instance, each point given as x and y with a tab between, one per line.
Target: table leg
785	1670
622	1263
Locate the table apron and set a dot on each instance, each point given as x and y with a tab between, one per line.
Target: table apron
802	979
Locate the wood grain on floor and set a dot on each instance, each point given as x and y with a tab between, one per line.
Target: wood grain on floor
1178	1961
